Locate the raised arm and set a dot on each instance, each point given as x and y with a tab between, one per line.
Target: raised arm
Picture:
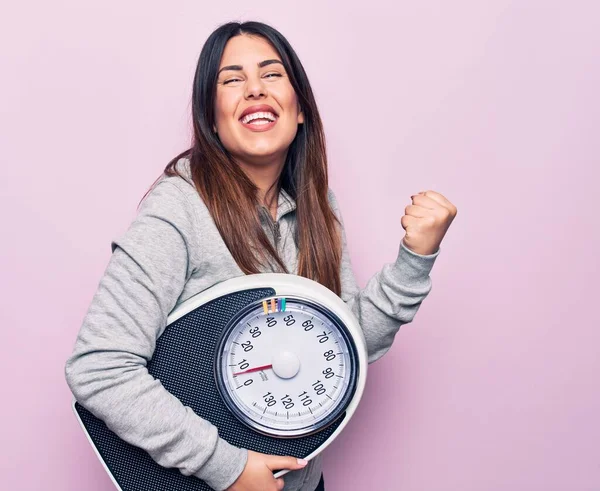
391	297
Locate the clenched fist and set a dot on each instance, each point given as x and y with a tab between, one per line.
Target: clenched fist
426	222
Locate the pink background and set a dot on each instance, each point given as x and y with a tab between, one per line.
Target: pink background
495	385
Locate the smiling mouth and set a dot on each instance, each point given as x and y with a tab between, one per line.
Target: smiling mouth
258	118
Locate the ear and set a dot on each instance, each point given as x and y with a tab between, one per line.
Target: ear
300	116
214	129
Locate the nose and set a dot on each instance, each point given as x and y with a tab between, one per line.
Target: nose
255	88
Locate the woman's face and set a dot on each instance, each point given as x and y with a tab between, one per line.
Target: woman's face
256	109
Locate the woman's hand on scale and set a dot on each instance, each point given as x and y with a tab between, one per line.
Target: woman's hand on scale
426	222
258	473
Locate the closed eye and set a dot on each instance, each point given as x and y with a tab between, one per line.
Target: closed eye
268	75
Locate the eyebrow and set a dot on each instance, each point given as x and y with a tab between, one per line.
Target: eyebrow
238	68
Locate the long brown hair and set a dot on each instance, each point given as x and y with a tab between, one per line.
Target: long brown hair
231	197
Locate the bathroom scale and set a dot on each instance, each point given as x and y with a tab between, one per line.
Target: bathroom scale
277	362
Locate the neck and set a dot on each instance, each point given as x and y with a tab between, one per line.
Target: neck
265	176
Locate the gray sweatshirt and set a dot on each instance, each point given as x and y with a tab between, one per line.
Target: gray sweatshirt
170	252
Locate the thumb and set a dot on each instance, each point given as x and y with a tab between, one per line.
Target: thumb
278	462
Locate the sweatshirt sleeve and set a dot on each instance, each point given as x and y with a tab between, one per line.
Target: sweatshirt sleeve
107	370
391	297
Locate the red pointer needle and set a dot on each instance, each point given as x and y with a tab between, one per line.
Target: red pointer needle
256	369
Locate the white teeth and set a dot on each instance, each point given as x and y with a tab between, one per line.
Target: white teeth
260	115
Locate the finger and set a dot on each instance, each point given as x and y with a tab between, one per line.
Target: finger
416	211
408	221
438	198
425	201
279	483
277	462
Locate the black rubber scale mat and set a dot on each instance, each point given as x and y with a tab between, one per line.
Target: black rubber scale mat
184	363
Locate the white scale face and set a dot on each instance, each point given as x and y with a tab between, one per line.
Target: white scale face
285	368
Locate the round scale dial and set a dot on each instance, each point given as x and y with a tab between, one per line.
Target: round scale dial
286	366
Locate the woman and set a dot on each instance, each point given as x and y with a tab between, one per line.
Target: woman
250	196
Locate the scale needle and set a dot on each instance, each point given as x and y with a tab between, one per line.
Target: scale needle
256	369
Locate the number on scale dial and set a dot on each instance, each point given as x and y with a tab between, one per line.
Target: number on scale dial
286	367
